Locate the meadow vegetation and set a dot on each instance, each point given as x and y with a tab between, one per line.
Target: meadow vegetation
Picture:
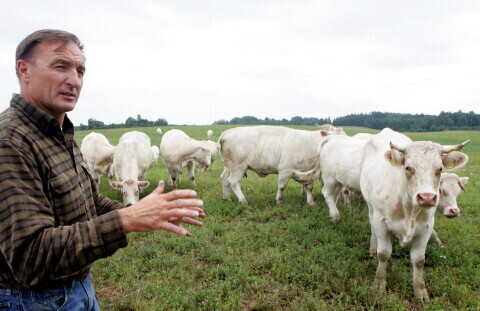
262	256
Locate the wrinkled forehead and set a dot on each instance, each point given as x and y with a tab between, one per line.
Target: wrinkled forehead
450	181
66	49
426	153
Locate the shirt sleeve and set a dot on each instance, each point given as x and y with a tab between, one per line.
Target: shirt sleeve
37	252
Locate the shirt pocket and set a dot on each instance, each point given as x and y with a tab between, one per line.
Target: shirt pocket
67	198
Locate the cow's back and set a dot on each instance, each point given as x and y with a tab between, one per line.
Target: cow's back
133	154
268	149
176	145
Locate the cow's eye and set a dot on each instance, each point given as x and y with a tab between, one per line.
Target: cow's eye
410	170
439	171
443	192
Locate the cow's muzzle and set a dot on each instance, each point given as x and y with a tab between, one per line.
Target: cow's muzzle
426	199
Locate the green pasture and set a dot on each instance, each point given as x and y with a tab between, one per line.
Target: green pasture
262	256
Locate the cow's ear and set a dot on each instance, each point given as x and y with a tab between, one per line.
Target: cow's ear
143	184
454	160
116	184
395	157
463	180
324	133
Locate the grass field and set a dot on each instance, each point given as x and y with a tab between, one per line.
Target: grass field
262	256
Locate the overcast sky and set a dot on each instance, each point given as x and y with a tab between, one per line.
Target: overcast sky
198	61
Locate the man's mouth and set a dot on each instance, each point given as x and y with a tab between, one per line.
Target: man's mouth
68	94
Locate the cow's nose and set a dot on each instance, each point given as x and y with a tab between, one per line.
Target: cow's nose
426	199
453	212
128	204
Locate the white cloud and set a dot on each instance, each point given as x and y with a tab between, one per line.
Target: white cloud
194	62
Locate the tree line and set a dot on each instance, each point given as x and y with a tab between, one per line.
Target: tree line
413	123
379	120
267	121
376	120
130	122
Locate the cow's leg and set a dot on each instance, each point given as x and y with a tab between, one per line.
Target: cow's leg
417	256
373	237
384	252
191	173
172	177
283	179
236	175
437	238
309	193
225	184
330	191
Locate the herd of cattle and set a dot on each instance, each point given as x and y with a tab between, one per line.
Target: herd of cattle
402	181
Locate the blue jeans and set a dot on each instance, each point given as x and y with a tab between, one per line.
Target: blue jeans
78	296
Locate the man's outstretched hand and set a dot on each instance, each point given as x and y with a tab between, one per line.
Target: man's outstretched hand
163	211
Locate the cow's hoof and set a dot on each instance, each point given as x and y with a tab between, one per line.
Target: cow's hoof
422	294
380	287
227	199
335	219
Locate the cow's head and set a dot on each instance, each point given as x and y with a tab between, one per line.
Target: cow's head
203	158
130	189
450	187
423	163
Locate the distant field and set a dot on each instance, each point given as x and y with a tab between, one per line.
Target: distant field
262	256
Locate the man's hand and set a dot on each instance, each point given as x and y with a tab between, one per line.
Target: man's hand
166	211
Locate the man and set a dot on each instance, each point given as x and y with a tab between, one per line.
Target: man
53	223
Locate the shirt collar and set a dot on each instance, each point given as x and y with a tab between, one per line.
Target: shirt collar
40	118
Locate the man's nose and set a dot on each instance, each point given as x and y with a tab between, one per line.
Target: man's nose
74	79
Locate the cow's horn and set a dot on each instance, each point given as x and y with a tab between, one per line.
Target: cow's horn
447	149
461	186
393	146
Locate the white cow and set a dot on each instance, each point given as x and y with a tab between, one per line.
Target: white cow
401	187
133	156
209	134
341	160
156	154
97	153
214	148
450	187
179	150
290	153
159	131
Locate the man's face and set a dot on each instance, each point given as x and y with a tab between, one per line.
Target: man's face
52	78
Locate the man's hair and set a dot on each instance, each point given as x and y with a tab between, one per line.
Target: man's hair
25	48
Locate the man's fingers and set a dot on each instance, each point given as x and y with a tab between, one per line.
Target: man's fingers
160	187
190	221
182	212
184	203
177	194
178	230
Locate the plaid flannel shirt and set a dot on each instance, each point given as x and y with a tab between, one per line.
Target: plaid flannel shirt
53	223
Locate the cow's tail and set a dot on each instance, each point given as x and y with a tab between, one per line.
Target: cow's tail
308	176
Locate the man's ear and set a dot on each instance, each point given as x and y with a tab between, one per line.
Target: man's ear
22	69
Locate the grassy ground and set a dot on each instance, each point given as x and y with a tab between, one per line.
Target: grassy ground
262	256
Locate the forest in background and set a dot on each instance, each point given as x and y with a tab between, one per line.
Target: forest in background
376	120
